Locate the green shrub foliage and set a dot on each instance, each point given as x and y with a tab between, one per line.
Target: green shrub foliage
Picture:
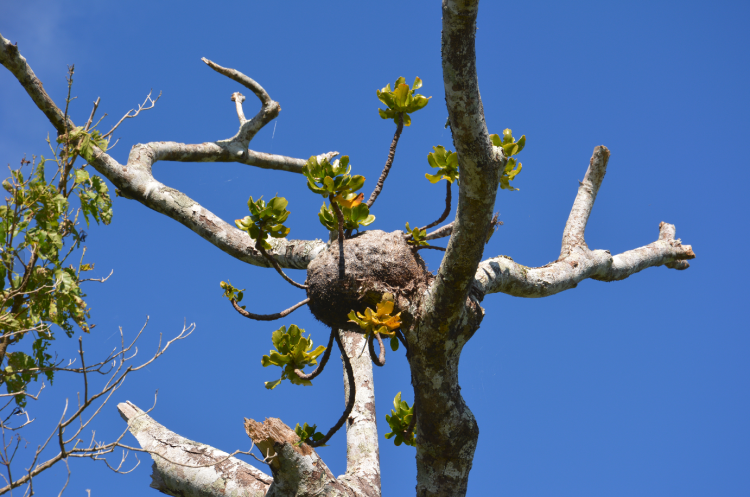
42	255
293	351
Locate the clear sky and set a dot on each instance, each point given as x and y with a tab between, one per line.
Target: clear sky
639	387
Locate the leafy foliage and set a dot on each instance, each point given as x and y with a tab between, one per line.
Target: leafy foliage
401	100
335	182
510	148
354	217
417	236
399	421
328	179
293	351
380	321
81	142
39	231
265	220
446	163
232	293
308	434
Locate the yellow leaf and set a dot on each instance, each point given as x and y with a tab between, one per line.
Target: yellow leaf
350	201
385	308
394	322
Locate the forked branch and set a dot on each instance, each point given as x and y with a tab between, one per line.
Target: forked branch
577	262
575	228
135	179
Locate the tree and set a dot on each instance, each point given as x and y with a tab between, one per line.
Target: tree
487	215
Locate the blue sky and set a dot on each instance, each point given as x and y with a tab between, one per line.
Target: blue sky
639	387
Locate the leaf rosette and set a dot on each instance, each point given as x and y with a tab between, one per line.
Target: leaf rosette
307	434
380	321
399	421
446	163
417	236
265	220
510	148
326	178
401	100
293	351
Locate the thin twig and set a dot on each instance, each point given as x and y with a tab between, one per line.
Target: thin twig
420	247
388	162
447	210
277	267
322	363
352	394
91	117
268	317
147	104
441	232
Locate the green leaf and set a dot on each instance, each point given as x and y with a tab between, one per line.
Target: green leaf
272	384
81	176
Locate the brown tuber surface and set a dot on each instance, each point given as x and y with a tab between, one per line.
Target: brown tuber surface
376	263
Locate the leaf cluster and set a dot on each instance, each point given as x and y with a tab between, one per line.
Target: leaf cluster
417	235
232	293
510	148
265	219
401	100
80	142
381	321
399	421
326	178
293	351
39	232
446	163
308	434
332	180
354	217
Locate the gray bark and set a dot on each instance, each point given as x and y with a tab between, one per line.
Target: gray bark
175	458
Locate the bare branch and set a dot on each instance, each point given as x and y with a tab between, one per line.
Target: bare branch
245	81
135	179
91	117
575	228
281	163
147	104
238	98
434	247
577	262
268	317
501	274
70	446
222	476
441	232
16	64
